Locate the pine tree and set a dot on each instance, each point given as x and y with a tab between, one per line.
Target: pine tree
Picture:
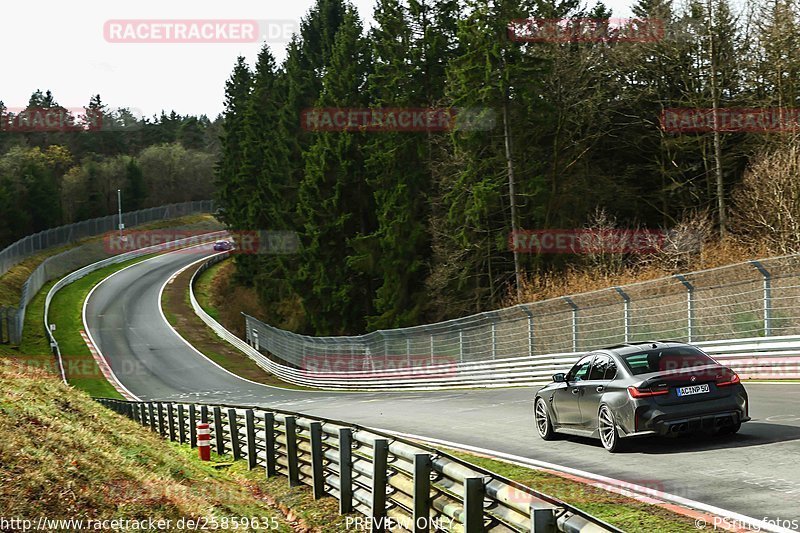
334	200
477	184
266	178
231	195
135	188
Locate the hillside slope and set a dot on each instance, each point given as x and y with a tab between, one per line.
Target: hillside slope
64	456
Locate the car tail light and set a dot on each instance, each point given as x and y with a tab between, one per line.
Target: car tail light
651	391
724	381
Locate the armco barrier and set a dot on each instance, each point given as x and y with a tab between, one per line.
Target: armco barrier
752	358
750	301
393	482
66	280
57	265
27	246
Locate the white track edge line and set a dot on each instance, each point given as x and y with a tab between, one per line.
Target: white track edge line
89	333
190	345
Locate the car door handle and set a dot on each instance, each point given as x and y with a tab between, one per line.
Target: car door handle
600	388
576	390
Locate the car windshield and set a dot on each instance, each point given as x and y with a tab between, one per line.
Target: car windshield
666	359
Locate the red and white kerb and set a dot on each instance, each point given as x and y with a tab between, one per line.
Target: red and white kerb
204	441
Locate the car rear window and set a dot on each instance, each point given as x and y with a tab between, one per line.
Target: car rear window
666	359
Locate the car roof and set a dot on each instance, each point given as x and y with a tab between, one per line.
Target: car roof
629	348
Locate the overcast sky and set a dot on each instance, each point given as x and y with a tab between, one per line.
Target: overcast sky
61	46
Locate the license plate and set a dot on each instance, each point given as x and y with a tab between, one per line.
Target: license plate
694	389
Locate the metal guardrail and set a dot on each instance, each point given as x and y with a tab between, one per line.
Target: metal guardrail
27	246
391	481
14	319
756	302
752	358
66	280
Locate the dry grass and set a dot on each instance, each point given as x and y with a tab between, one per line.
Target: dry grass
65	456
11	282
228	300
586	278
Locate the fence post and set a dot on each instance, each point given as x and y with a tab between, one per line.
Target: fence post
250	431
460	345
473	505
233	425
543	519
269	444
291	451
380	462
345	470
143	414
432	348
171	420
181	424
151	409
317	470
494	340
689	306
767	297
204	414
626	312
192	425
530	328
574	322
218	436
162	427
422	493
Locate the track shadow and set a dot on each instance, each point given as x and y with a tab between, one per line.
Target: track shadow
753	433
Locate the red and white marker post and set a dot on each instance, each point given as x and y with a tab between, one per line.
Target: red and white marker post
204	441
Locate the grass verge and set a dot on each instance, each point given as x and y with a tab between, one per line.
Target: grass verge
179	313
11	282
626	513
66	313
204	289
66	457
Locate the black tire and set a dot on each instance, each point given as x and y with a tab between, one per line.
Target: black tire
607	427
541	417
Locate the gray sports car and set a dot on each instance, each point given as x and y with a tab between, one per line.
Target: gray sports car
637	389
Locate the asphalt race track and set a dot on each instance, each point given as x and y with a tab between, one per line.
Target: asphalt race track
755	473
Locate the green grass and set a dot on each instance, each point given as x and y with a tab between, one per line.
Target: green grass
625	513
203	289
11	282
66	313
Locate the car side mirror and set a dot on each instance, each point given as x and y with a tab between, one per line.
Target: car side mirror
560	377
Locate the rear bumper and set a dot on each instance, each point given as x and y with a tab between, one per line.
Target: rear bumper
700	417
700	423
